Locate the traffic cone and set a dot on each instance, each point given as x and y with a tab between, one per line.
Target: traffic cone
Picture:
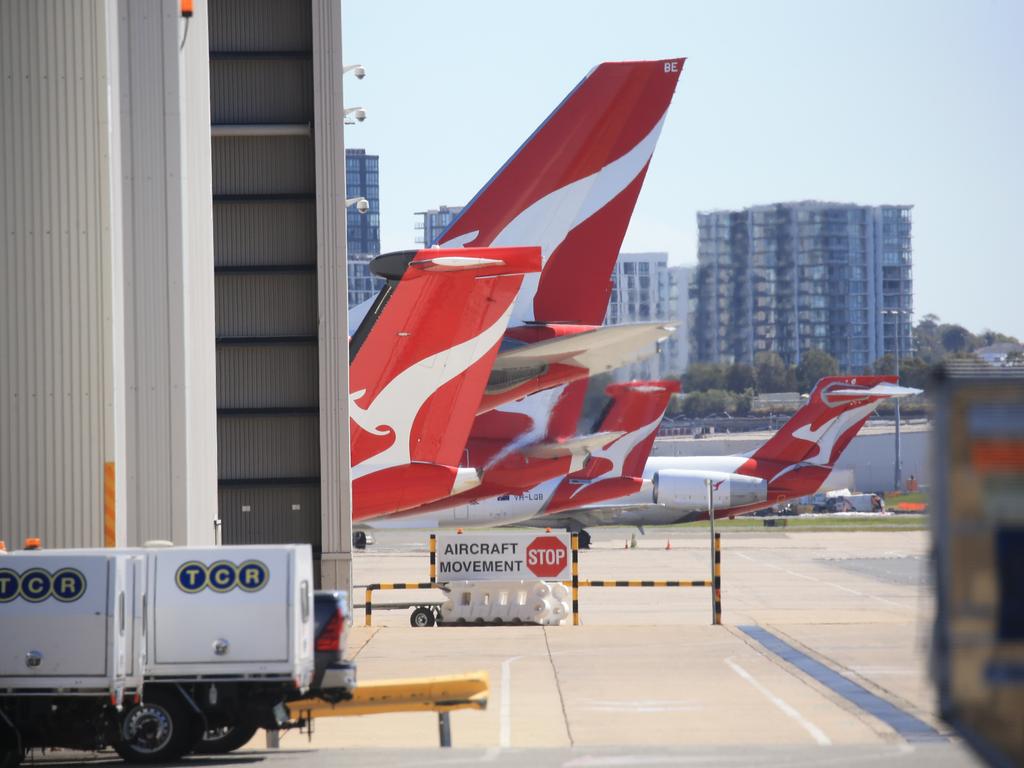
668	543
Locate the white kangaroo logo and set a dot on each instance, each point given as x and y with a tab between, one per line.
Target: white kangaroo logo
617	452
395	407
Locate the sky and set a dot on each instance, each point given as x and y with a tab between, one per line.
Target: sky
869	102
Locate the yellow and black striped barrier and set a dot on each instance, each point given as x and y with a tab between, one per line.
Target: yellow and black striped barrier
715	583
371	588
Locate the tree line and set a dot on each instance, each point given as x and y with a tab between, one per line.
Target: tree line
712	388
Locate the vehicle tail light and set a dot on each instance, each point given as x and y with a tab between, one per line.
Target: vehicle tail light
330	638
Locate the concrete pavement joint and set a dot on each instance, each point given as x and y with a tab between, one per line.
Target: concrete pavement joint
558	687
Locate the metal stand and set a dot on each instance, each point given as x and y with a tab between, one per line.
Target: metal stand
444	728
273	739
714	571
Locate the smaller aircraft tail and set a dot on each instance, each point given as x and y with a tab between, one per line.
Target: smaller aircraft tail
837	408
616	468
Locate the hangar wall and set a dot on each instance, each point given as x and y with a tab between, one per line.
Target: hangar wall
107	388
61	381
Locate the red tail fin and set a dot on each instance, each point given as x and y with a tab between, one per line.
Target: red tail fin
820	431
636	408
571	189
421	369
616	469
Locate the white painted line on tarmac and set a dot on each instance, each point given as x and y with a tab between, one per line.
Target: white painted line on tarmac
820	581
816	732
505	708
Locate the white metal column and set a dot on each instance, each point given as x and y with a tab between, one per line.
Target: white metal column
332	292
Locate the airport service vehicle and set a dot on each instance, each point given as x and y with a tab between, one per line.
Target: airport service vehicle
795	462
334	679
222	635
419	364
71	648
614	465
571	189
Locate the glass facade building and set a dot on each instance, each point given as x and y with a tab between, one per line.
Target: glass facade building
434	222
791	276
646	289
362	173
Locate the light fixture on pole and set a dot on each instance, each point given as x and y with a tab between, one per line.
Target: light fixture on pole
356	69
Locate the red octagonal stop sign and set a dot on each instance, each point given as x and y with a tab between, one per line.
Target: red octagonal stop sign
546	556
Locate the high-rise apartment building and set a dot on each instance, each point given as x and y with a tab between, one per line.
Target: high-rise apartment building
791	276
646	289
362	180
433	222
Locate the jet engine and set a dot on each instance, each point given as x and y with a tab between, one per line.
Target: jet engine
685	489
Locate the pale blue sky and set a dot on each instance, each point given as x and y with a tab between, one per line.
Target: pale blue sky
868	102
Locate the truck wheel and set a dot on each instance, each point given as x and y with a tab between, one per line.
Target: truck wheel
158	730
422	617
218	741
359	539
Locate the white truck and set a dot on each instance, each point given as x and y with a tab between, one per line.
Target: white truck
224	637
71	649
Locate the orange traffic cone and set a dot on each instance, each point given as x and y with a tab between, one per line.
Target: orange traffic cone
668	543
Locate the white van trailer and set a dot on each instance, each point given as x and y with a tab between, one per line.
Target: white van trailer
226	637
71	647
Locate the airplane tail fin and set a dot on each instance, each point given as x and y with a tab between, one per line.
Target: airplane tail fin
571	188
823	427
420	365
635	412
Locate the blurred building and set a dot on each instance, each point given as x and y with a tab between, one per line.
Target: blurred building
362	179
434	222
791	276
646	289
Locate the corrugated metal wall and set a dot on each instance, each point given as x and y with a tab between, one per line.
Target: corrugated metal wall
168	236
266	283
59	208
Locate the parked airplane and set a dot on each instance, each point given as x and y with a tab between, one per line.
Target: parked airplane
614	454
419	365
571	189
794	462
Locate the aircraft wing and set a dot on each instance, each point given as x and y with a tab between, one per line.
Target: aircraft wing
597	350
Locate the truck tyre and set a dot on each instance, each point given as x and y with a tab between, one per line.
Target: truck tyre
218	741
422	617
158	730
359	539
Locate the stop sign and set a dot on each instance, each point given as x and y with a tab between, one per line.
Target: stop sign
546	556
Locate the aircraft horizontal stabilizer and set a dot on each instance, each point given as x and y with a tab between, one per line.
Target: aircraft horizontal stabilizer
600	349
884	389
573	446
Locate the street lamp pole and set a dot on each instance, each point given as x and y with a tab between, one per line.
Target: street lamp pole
898	464
898	471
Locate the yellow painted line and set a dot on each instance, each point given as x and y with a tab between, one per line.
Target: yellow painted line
417	694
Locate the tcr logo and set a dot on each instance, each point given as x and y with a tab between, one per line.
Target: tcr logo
221	576
36	584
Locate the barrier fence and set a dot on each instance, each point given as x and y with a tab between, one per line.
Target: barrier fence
715	582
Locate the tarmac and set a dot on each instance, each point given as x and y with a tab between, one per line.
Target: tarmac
647	670
821	660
